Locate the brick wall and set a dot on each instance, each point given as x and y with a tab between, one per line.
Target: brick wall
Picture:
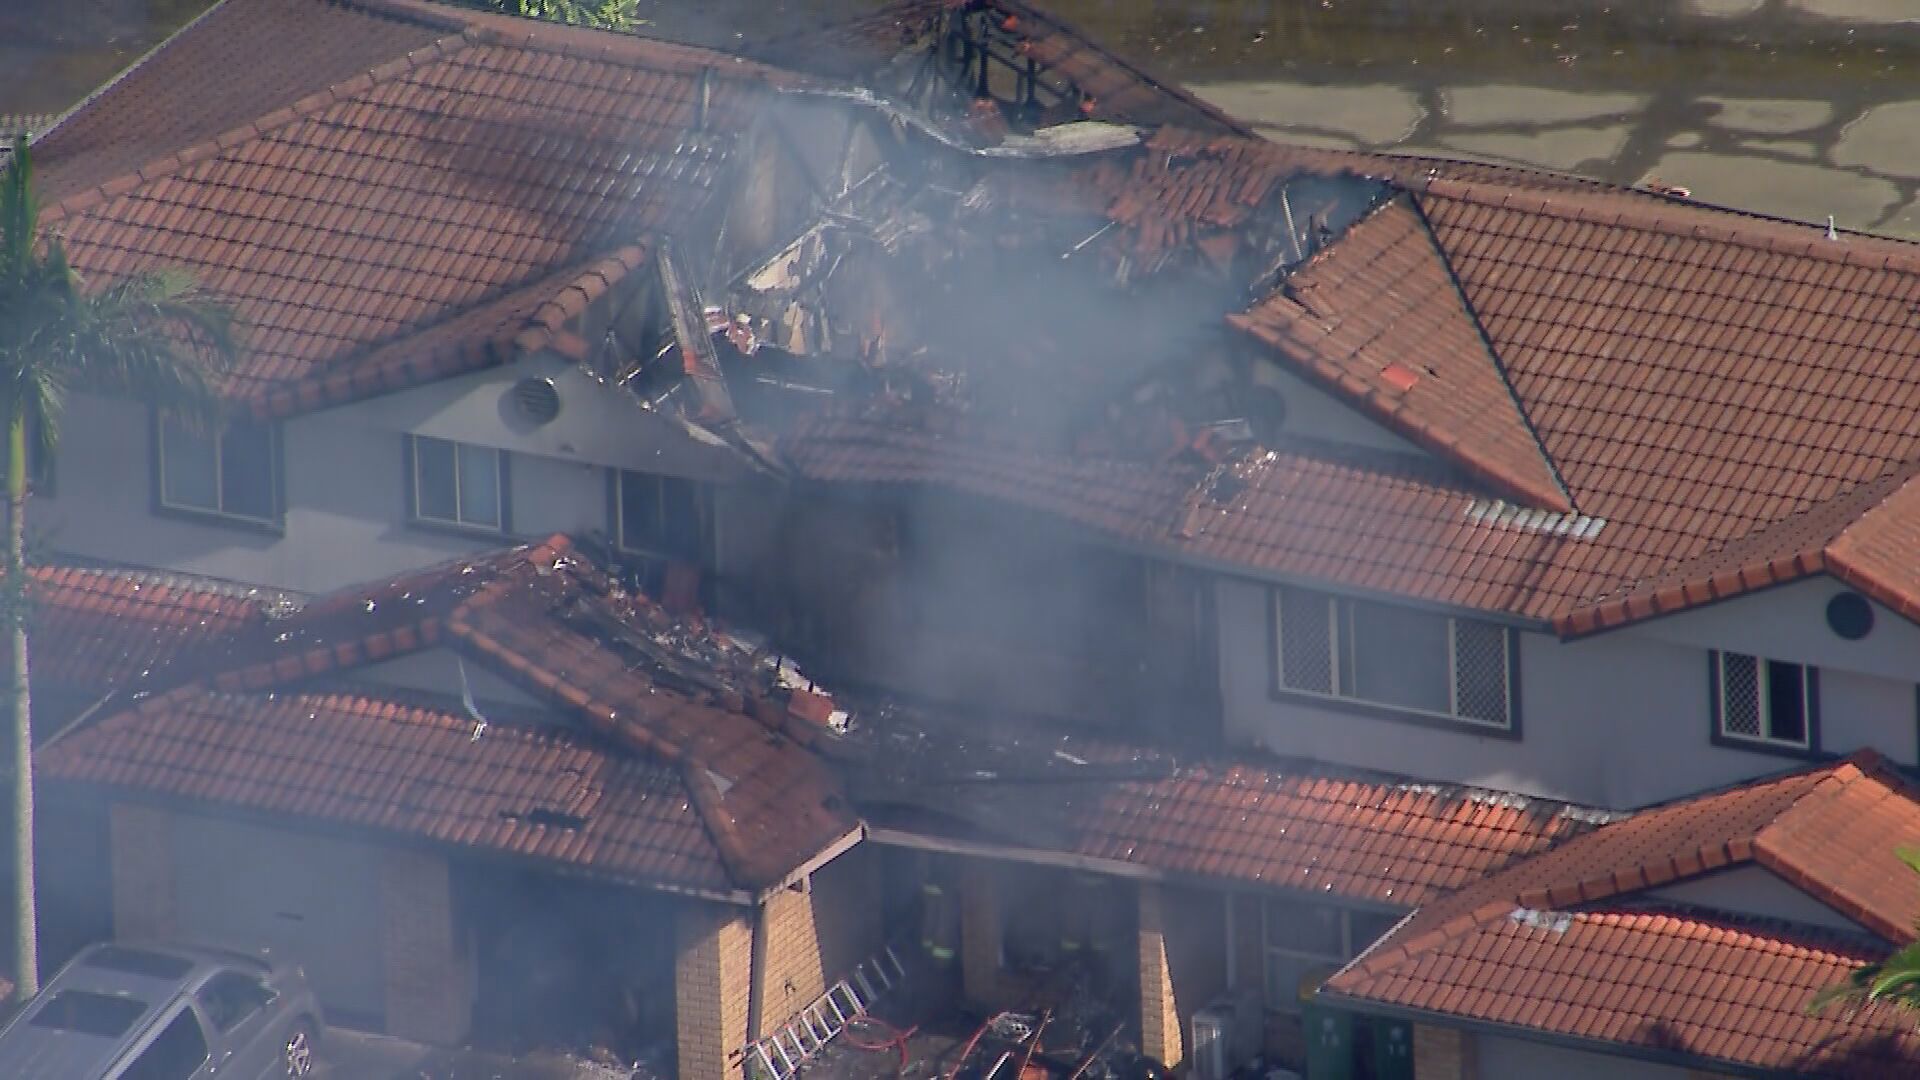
140	839
1159	1012
792	975
712	968
817	935
428	973
1442	1054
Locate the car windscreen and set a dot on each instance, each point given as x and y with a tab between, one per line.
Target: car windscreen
151	965
88	1013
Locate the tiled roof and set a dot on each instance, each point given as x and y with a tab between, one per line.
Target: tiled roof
1368	519
379	761
421	188
1121	89
98	627
1251	819
1359	837
1380	320
1561	943
546	618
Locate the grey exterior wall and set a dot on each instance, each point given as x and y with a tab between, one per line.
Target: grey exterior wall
344	481
1619	719
1754	890
1514	1059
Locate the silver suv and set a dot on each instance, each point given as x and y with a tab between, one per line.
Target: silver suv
127	1012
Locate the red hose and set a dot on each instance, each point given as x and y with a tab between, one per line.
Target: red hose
967	1051
896	1039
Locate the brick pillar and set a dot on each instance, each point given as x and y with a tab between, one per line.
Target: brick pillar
1442	1054
140	843
712	972
982	935
428	985
792	976
1159	1016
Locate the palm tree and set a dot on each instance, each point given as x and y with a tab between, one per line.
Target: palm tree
1895	979
154	337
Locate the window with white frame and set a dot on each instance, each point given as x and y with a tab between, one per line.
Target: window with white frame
1399	657
1766	702
657	515
457	483
231	472
1302	941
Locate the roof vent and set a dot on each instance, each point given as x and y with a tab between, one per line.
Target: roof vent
538	399
1850	616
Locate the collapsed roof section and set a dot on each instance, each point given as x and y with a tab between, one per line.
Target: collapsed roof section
719	722
1251	821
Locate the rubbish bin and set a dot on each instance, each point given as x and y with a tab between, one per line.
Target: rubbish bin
1392	1049
1329	1032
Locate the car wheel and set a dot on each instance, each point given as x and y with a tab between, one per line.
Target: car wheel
296	1053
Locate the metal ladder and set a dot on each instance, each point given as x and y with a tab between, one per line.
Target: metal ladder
781	1054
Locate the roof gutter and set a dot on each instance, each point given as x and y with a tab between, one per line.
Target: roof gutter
819	859
1525	1034
1007	853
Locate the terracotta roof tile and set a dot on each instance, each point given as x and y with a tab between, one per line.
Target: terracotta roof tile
1378	319
1589	941
1252	820
94	628
363	759
440	185
545	617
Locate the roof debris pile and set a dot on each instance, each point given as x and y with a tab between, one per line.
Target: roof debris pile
691	769
1162	810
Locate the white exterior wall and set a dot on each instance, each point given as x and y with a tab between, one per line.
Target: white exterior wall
1755	890
1619	719
1514	1059
344	483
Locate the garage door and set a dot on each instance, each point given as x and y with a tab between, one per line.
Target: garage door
310	899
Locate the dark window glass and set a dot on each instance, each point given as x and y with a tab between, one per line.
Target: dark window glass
479	486
659	515
1398	657
247	470
457	483
231	997
1786	702
234	471
190	467
88	1013
179	1050
436	480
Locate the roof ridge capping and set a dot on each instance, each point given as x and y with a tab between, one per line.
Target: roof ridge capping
1612	207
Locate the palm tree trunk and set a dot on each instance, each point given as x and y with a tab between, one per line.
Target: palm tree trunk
26	948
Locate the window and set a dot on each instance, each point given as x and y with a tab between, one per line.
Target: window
657	515
1764	702
174	1055
1398	657
457	483
231	997
88	1013
1308	941
233	472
